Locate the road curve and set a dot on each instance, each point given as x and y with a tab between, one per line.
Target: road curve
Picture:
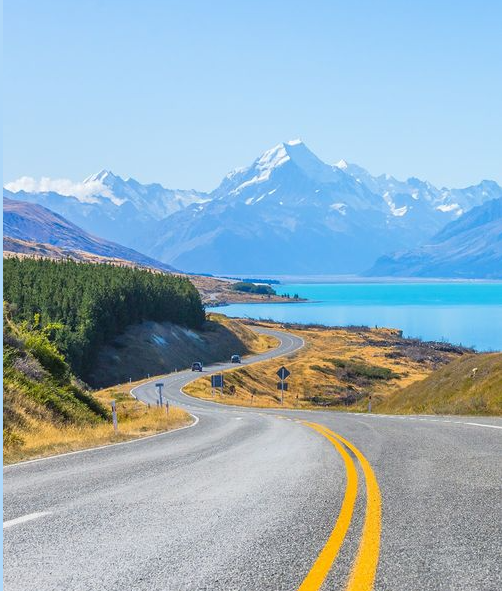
252	499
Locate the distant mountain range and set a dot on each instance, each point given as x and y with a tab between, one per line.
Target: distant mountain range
288	212
30	229
467	248
111	207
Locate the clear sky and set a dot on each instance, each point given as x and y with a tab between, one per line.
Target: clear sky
181	92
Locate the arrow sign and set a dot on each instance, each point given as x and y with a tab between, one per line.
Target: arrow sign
283	373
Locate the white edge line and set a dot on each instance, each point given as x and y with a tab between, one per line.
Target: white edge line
90	449
24	519
483	425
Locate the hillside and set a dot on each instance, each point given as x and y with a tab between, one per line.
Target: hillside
29	227
87	305
454	389
467	248
153	348
47	410
339	368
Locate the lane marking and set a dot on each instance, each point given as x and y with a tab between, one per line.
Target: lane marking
317	574
363	572
24	519
483	425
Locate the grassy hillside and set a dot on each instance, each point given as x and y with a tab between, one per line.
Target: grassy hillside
454	389
47	410
337	368
87	305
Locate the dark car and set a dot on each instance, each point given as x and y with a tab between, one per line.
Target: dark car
235	359
197	366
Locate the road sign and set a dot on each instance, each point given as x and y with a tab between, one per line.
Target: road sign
159	385
282	386
283	373
217	380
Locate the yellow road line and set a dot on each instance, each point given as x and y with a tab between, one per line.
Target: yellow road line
324	562
362	576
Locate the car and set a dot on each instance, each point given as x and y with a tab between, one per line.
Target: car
197	366
235	359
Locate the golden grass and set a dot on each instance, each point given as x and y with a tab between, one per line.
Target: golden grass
310	371
454	389
42	438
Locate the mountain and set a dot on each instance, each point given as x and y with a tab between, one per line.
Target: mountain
109	206
289	212
404	196
470	247
25	224
286	213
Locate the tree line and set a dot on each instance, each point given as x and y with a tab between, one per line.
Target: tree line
82	306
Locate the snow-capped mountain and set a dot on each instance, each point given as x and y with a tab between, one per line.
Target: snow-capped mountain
105	204
154	199
403	196
289	212
469	247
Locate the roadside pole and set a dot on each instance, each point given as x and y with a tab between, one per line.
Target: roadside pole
114	417
283	373
159	386
221	385
369	403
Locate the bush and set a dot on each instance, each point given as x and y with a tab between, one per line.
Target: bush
253	288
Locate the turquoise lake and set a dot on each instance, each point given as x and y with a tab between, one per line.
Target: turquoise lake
462	313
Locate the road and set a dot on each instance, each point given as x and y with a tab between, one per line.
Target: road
256	500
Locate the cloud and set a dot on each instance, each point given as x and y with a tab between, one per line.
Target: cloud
84	192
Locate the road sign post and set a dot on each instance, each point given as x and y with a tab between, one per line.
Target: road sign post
283	373
114	417
217	382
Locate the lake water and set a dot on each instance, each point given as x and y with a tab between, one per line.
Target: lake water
462	313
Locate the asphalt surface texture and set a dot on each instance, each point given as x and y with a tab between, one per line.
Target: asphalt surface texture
247	499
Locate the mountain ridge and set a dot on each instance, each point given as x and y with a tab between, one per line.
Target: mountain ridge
34	223
286	212
467	248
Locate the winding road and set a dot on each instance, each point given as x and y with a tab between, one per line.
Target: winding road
251	499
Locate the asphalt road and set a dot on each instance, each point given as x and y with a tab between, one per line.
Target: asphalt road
250	499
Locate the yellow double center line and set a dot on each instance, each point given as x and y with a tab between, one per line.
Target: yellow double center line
363	572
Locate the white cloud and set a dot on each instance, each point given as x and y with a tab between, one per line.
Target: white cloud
85	192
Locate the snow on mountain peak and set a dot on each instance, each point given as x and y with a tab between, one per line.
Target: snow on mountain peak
100	176
342	164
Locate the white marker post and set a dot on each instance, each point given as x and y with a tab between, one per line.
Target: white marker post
114	417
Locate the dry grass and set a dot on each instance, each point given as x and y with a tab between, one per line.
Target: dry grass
454	389
316	380
42	438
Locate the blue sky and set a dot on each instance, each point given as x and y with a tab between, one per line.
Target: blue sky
183	92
